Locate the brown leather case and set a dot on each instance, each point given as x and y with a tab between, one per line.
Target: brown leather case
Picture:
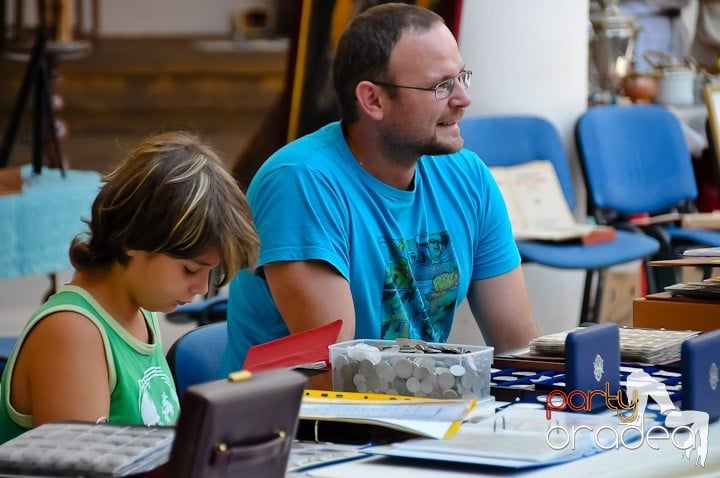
237	428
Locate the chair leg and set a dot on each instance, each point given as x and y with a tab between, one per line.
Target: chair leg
662	276
599	291
592	295
650	277
587	297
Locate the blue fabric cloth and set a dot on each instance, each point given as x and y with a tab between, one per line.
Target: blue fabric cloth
38	224
409	256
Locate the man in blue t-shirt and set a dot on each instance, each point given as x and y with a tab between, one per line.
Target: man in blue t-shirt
382	219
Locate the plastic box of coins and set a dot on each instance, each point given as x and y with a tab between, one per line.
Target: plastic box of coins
412	368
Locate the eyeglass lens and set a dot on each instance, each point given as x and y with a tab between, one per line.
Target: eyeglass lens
445	89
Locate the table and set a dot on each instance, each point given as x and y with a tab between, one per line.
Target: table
621	463
37	225
638	459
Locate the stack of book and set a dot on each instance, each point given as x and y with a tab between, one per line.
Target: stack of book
685	305
637	345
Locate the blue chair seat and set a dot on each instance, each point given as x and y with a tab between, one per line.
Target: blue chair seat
626	247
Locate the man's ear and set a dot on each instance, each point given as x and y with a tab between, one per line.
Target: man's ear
370	100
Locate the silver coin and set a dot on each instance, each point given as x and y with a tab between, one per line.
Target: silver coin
347	372
366	367
420	372
413	385
457	370
446	380
426	386
358	379
339	361
428	363
451	394
372	382
403	368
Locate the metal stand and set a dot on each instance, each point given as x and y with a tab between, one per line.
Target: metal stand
37	77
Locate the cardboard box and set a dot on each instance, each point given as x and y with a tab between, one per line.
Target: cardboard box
663	310
10	181
622	286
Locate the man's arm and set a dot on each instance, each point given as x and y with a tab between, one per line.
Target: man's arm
310	294
501	308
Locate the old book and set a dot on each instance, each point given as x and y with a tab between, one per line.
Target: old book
702	220
702	252
537	206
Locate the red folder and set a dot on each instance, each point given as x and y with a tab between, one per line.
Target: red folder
307	348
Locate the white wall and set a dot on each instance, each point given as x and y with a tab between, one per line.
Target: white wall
166	17
531	56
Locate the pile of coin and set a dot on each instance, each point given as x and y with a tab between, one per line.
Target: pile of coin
413	368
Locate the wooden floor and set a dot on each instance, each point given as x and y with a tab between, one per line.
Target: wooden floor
125	89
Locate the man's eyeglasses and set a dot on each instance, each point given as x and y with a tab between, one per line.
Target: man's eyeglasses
443	89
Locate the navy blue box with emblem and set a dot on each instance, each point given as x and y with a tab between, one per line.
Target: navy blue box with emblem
700	375
592	363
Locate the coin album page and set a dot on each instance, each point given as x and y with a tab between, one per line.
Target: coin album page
652	346
513	438
87	449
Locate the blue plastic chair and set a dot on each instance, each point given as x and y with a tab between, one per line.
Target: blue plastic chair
202	312
6	346
636	160
515	139
195	357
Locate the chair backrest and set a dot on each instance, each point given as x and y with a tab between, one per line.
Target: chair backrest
6	346
195	357
508	140
635	159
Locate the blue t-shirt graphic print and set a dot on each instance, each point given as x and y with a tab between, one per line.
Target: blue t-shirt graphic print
421	288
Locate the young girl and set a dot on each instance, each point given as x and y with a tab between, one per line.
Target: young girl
166	218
